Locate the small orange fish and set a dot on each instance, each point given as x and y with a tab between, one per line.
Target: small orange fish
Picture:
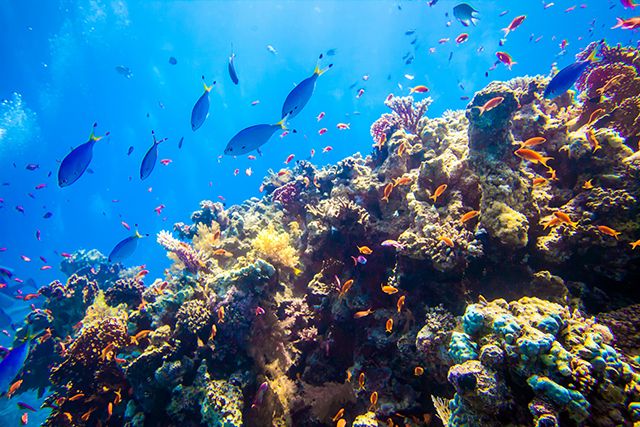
418	371
593	141
635	244
388	327
404	180
68	416
345	288
490	104
361	381
24	419
419	89
438	192
552	222
221	314
588	185
348	376
373	399
563	217
338	415
532	156
387	192
118	398
107	352
363	313
14	387
506	59
109	410
341	422
222	252
85	417
468	216
400	303
45	336
539	181
365	250
140	335
595	116
552	174
214	332
402	148
532	142
447	241
76	397
388	289
608	231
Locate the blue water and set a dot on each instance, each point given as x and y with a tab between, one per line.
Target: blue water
58	78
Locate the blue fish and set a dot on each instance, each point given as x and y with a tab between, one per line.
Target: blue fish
562	82
200	111
149	160
465	14
77	161
300	95
252	138
180	143
232	69
125	248
12	364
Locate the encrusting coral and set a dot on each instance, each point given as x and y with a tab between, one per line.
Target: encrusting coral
342	293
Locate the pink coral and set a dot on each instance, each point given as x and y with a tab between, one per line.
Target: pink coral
182	250
406	115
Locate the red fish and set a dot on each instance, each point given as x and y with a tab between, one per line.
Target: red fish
283	134
125	225
40	186
360	93
444	40
251	157
159	208
327	149
514	24
627	24
45	267
248	172
256	102
462	38
236	171
628	4
506	59
320	116
289	158
322	131
165	162
312	152
25	258
38	234
343	126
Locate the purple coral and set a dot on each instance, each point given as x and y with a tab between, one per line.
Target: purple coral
406	115
385	125
182	250
287	195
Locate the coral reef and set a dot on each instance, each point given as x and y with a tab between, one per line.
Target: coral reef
341	295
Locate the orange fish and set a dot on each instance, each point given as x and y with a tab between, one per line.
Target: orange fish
348	376
109	410
221	314
361	381
365	250
418	371
419	89
469	215
490	104
214	332
345	288
539	181
85	417
373	398
338	415
140	335
563	217
514	24
438	192
24	419
363	313
222	252
532	156
14	387
401	149
107	352
462	38
289	158
389	326
401	181
552	174
506	59
608	231
532	142
588	185
552	222
593	141
447	241
635	244
68	416
387	192
388	289
341	422
595	115
400	303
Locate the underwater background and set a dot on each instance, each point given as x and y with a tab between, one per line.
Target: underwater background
251	319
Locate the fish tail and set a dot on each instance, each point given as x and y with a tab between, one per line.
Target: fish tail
544	160
282	123
592	55
93	137
506	30
481	110
324	70
619	23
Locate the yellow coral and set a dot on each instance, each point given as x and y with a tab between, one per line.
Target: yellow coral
275	247
100	310
206	237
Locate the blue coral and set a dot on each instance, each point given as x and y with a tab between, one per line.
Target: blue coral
462	348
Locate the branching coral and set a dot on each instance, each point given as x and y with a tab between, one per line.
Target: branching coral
184	252
275	247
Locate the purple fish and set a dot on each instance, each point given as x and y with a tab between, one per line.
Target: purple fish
359	260
32	166
47	215
257	401
23	405
20	209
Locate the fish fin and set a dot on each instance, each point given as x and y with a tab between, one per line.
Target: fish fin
592	56
138	235
92	136
506	31
619	23
282	123
324	70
